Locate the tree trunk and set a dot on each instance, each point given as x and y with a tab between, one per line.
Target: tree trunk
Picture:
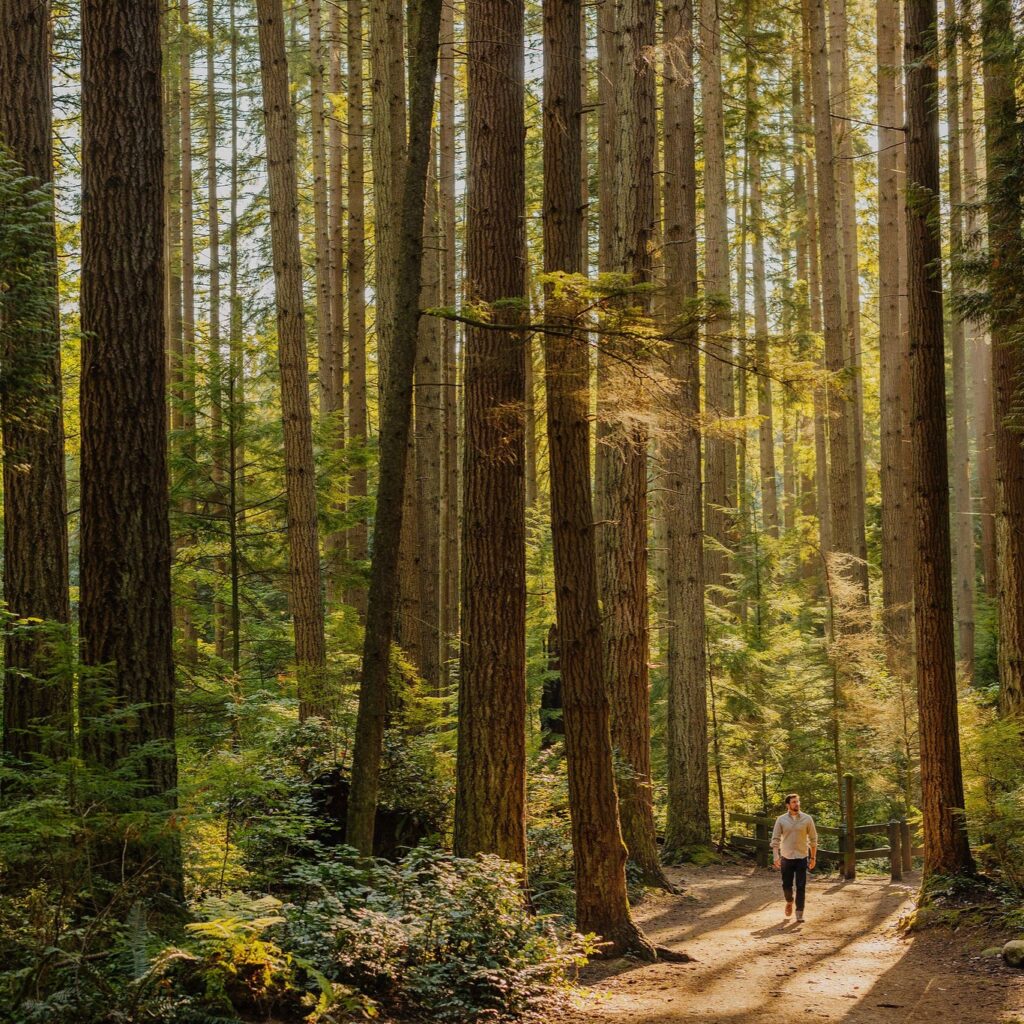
1003	159
762	358
600	856
35	580
358	540
186	539
335	543
446	189
623	582
846	200
896	582
429	447
946	850
236	383
125	609
839	396
396	423
221	626
719	401
977	337
963	521
688	824
300	480
491	767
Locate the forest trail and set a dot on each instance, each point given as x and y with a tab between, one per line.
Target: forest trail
846	964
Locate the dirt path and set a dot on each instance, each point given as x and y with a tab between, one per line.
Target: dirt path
845	964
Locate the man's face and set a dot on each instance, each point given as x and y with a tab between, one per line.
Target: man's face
794	805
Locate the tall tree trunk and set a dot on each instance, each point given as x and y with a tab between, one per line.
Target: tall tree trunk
623	582
820	413
896	582
387	143
335	542
762	358
429	446
1003	158
719	401
300	479
846	200
358	540
221	627
35	693
946	851
125	609
396	423
491	767
839	398
186	538
236	381
329	359
446	189
977	337
688	822
600	856
963	521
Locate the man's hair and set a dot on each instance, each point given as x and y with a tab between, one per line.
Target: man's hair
791	796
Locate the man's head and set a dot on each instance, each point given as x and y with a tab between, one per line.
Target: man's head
793	803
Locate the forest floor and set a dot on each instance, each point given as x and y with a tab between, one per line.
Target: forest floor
847	963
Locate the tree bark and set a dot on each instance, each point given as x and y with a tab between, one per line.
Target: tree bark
963	522
839	395
358	539
446	188
430	446
846	200
688	821
37	696
1003	159
221	626
897	593
946	850
600	856
762	357
977	337
396	424
623	582
491	766
125	609
300	480
719	400
185	484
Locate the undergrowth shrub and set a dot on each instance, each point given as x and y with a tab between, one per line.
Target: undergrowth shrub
436	936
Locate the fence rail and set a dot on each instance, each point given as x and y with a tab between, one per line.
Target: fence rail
900	850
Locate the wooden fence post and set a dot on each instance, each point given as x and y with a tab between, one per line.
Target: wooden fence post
895	854
850	839
761	834
907	847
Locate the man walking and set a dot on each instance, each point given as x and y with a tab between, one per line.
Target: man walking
794	834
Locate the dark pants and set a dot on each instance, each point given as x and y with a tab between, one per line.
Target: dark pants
795	867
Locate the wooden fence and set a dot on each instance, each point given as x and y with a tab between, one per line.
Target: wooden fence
900	850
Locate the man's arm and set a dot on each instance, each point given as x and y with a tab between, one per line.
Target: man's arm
777	841
812	835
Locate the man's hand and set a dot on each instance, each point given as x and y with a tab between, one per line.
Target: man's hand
811	863
776	863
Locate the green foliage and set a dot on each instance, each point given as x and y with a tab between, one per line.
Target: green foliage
450	939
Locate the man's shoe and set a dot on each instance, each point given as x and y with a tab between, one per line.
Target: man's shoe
799	917
789	908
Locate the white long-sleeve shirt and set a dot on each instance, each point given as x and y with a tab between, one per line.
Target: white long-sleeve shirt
792	836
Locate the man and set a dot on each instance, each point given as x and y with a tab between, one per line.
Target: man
794	834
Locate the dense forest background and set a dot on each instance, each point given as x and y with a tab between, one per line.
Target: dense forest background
521	432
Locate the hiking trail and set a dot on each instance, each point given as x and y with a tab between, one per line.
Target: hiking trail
846	963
